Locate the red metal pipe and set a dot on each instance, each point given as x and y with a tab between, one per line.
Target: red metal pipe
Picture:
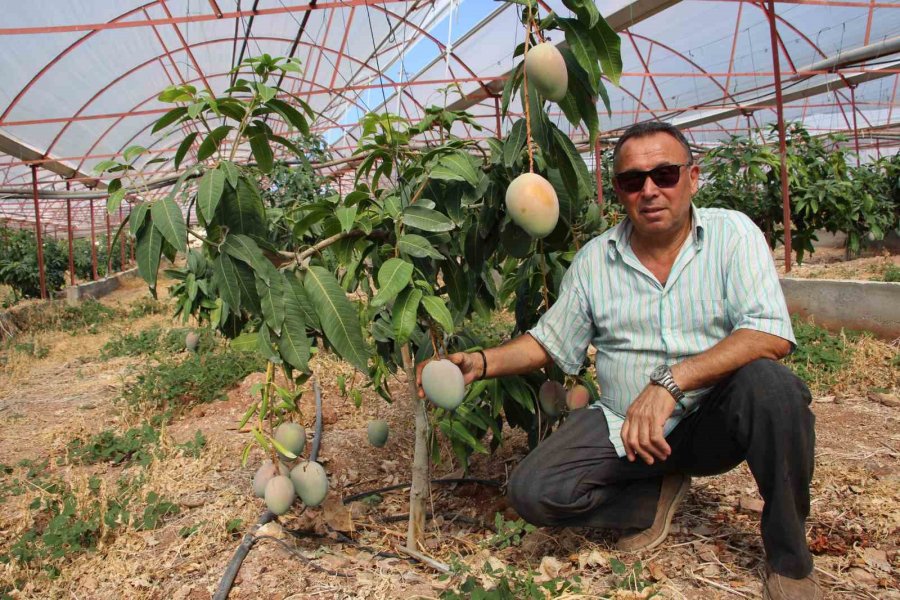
37	227
855	129
93	245
121	242
108	243
598	172
782	144
71	241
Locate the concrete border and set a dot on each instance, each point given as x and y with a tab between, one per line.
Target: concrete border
838	303
99	288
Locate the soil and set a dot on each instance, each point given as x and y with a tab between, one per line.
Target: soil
350	551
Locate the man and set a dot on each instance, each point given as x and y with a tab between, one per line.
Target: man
685	310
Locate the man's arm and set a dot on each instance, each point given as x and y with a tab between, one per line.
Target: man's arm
642	432
522	354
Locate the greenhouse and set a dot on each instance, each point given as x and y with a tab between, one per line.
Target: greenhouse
450	299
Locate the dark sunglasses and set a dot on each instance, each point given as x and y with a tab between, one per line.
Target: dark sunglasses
665	176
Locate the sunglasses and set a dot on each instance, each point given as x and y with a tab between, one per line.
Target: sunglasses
665	176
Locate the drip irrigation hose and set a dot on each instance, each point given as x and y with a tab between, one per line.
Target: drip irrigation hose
237	559
400	486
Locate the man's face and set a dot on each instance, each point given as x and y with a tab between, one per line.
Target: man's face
656	210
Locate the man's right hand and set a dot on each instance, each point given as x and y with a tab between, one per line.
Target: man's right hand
469	363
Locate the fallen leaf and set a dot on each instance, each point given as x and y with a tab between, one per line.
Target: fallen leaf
656	571
337	515
272	529
862	576
549	569
877	559
752	504
590	559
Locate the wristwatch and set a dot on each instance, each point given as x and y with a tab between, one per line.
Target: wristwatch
662	376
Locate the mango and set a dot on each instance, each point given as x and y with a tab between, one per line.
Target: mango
191	341
378	432
279	494
264	474
532	204
292	436
552	398
444	384
578	397
546	69
310	482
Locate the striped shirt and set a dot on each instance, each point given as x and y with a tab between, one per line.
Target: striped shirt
723	279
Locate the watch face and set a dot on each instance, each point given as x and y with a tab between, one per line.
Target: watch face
658	373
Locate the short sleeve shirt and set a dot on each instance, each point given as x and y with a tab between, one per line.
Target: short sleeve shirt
723	279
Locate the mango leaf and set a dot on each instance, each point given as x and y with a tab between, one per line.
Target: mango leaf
416	245
149	248
290	115
609	49
539	122
243	212
426	219
265	345
460	432
404	314
346	215
231	172
247	284
309	312
138	216
211	142
338	316
293	343
509	89
456	167
226	277
579	40
168	219
262	152
576	176
246	342
271	297
115	200
512	146
184	146
585	9
245	249
170	117
439	312
212	184
394	275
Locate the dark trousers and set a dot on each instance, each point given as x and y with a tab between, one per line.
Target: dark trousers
760	414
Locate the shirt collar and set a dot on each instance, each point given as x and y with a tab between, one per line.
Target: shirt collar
621	234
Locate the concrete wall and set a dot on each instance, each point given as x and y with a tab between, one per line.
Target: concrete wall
97	289
833	304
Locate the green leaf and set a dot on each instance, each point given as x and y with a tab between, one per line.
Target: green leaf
346	215
509	89
133	152
168	219
404	314
576	176
138	216
427	219
309	312
290	114
456	167
293	343
393	276
265	92
271	297
211	143
247	283
338	316
183	147
231	172
226	277
579	40
265	345
585	9
512	146
262	152
243	211
460	432
609	50
439	312
212	184
114	200
169	118
418	246
149	248
539	123
245	249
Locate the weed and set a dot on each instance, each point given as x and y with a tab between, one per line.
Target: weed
507	584
194	447
233	526
186	532
820	355
509	533
146	306
630	578
891	274
31	348
155	511
154	340
137	444
85	317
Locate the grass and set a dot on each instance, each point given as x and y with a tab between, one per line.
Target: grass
138	445
820	354
891	274
155	340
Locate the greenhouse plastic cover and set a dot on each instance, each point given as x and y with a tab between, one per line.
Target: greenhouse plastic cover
81	77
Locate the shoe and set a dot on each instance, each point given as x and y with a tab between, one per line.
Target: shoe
779	587
673	489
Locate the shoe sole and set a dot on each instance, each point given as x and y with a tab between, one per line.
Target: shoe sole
679	496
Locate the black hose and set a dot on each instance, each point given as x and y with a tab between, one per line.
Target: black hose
317	440
400	486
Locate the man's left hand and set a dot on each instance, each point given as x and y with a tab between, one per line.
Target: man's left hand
642	433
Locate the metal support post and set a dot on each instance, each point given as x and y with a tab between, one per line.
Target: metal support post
70	235
93	245
855	130
782	144
121	242
598	172
37	228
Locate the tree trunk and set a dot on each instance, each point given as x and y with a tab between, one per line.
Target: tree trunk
421	459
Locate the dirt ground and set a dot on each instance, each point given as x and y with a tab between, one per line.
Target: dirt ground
350	551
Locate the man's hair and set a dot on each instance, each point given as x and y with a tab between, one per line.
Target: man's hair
639	130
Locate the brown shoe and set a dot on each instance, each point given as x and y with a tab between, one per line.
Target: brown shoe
673	489
779	587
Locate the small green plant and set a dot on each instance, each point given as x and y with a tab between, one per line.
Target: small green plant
135	445
507	584
31	348
155	512
186	532
820	355
630	578
233	526
509	533
146	306
891	274
194	447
